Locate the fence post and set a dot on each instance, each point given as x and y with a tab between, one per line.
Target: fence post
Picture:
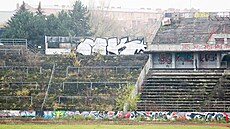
27	72
26	44
91	87
36	85
40	70
59	99
31	101
63	85
67	71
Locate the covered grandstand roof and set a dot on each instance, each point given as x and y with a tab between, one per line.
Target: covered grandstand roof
192	27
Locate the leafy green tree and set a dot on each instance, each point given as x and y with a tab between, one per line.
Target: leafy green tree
33	27
53	25
59	25
80	19
65	27
25	24
36	35
20	24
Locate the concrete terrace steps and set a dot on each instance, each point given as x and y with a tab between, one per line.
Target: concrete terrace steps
182	97
176	85
169	96
216	76
175	93
146	84
175	90
165	102
206	70
182	81
170	108
61	62
93	70
184	74
172	99
185	89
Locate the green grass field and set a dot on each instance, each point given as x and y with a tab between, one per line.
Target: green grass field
75	126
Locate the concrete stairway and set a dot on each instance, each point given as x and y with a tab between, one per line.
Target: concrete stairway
181	90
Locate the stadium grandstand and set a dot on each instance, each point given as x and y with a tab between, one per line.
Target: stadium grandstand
184	69
188	64
30	80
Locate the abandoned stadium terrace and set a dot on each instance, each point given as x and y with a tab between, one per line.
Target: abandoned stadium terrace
184	69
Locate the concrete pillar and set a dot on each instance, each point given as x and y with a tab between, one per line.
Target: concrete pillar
151	60
198	61
173	60
125	109
225	40
195	61
218	60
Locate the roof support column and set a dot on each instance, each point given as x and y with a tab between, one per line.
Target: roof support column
218	60
151	60
196	61
173	60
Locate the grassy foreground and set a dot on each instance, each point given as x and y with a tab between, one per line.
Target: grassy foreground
75	126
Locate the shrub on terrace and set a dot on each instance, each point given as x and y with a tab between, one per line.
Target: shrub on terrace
125	96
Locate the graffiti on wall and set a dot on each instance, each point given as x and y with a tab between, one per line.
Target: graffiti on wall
30	113
148	115
184	57
9	113
165	58
207	116
104	46
208	57
193	47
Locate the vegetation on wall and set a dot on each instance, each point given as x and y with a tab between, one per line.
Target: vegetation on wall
125	96
98	97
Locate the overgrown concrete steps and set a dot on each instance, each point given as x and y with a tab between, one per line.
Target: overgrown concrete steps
181	90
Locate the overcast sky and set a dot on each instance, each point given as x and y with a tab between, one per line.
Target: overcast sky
203	5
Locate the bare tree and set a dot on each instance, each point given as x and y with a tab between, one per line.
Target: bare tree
102	24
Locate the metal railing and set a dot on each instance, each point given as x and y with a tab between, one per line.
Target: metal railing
14	42
27	68
85	97
20	83
90	84
19	97
114	68
11	51
32	48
